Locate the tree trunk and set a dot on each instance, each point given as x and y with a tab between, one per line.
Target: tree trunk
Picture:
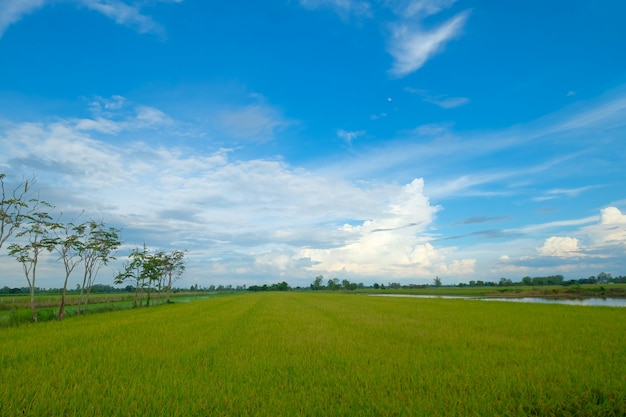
169	288
136	295
62	306
33	306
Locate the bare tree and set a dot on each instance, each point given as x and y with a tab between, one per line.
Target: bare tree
13	206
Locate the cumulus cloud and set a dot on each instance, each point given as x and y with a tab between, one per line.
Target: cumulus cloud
612	216
611	230
392	243
562	247
411	45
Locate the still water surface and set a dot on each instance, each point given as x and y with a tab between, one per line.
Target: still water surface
606	302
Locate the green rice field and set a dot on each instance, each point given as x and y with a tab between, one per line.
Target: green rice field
320	354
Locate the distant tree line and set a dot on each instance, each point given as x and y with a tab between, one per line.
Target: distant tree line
334	284
281	286
601	278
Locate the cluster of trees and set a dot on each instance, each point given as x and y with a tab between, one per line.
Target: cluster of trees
334	284
27	221
152	273
27	218
281	286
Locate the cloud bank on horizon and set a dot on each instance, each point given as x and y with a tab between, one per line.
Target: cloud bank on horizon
407	141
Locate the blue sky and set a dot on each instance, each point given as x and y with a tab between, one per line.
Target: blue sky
373	141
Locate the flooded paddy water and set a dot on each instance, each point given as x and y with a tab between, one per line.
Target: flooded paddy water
594	301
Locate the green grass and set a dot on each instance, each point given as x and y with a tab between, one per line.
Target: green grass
285	354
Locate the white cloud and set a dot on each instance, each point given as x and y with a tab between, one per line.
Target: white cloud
562	247
392	243
612	216
411	45
611	229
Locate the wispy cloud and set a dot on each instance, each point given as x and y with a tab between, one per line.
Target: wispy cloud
481	219
349	136
123	13
255	122
421	8
563	192
343	7
11	11
445	102
412	42
411	45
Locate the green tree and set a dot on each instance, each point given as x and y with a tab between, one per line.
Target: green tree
133	273
505	282
174	269
99	244
318	283
333	284
437	282
36	229
69	244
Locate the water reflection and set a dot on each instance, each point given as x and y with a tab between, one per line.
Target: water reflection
605	302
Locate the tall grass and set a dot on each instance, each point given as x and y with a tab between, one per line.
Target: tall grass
320	354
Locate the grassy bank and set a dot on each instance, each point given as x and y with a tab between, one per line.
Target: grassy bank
571	291
15	309
291	353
